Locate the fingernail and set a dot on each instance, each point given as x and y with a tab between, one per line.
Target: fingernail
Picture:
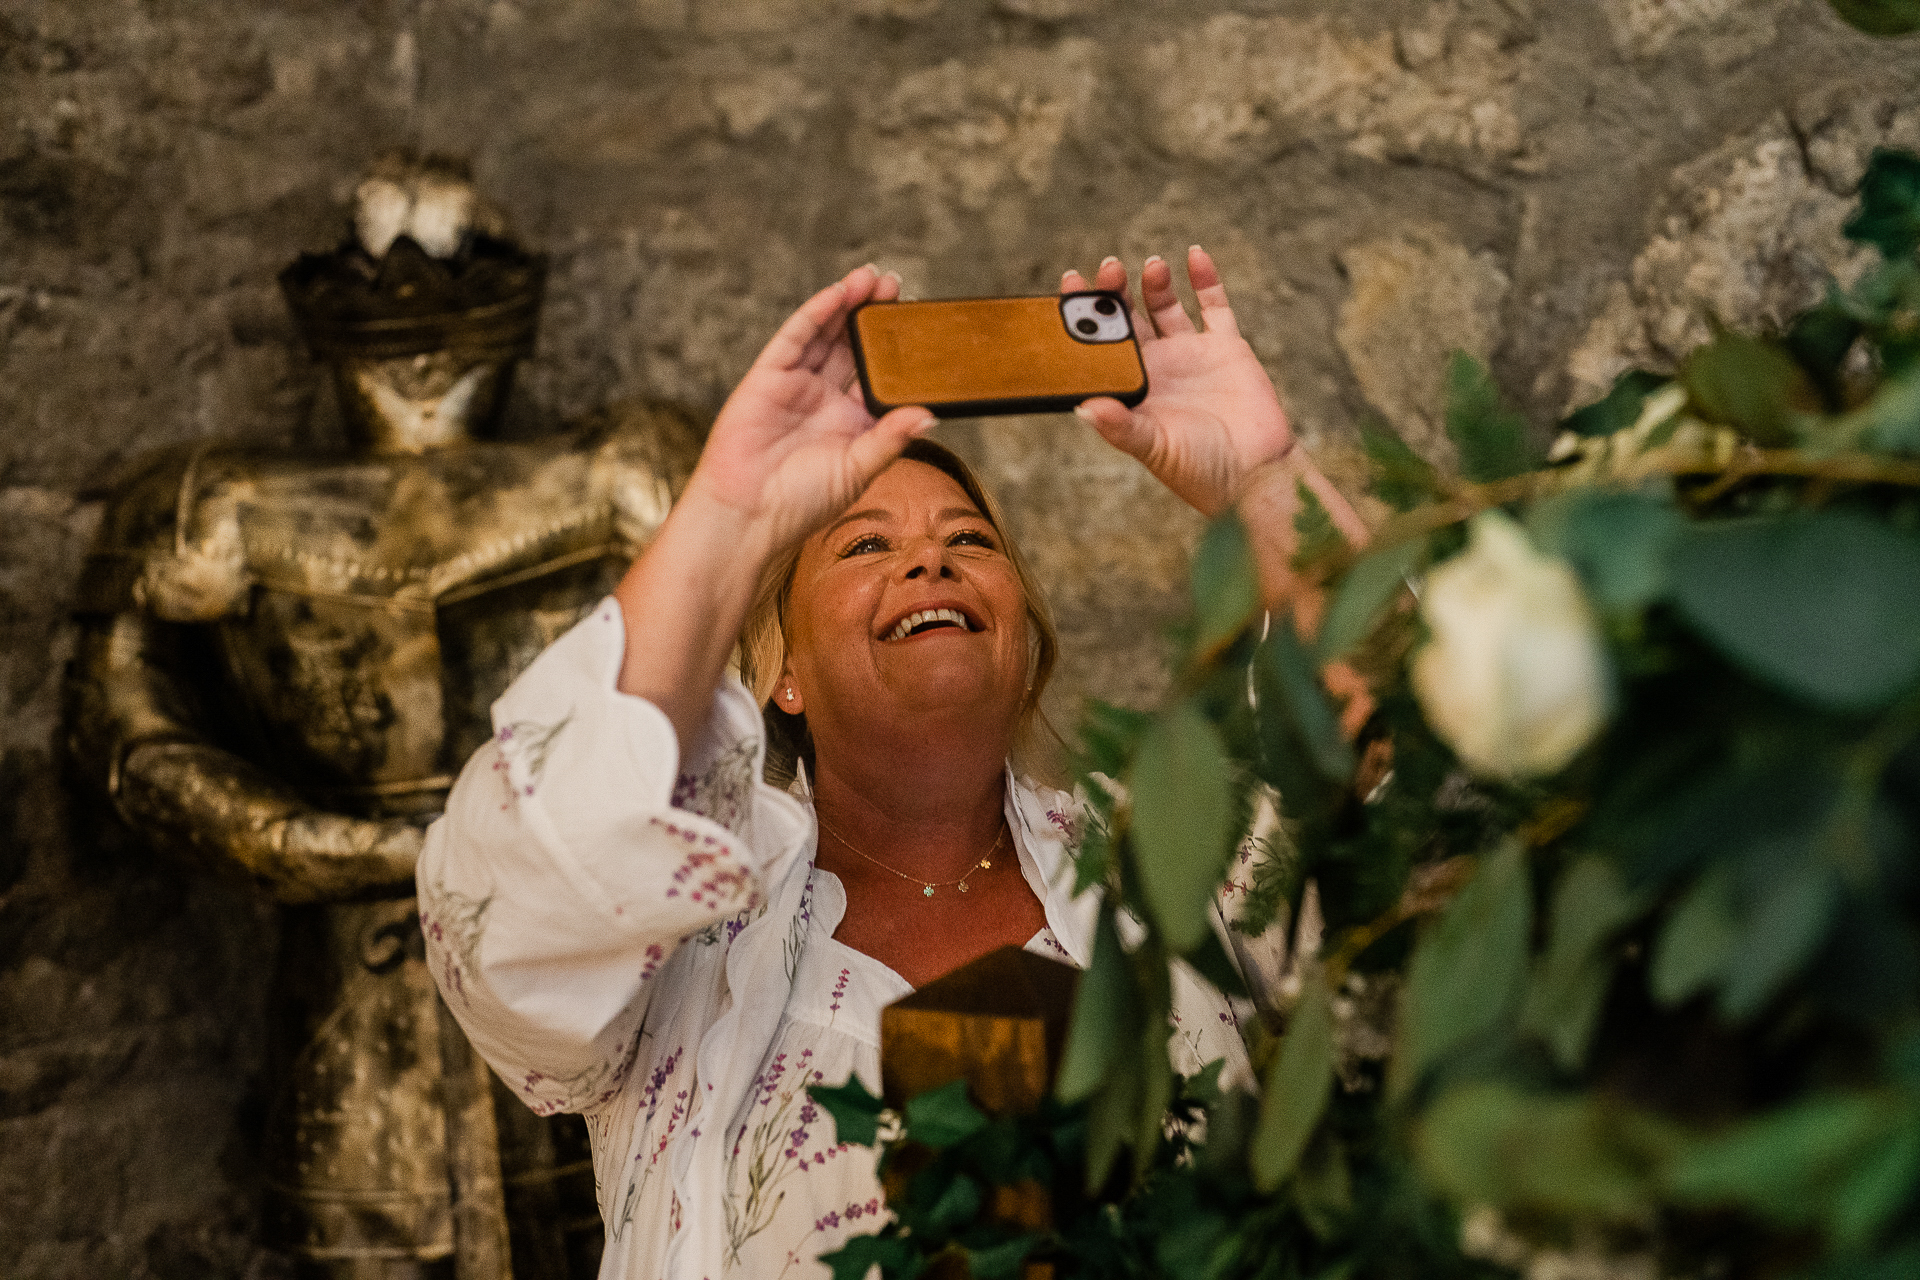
869	266
1066	275
1083	413
894	276
1194	248
1109	258
1153	258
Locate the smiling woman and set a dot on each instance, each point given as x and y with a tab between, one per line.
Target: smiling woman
631	921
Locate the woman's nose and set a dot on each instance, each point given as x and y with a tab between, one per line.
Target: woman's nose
928	559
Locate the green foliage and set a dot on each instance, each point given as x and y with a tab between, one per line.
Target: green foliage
1670	995
1314	535
1492	439
855	1112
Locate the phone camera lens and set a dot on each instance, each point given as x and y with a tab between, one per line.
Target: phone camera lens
1087	326
1106	306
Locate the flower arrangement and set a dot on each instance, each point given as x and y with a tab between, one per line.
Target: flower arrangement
1620	880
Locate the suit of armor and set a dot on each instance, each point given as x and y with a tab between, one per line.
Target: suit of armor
283	661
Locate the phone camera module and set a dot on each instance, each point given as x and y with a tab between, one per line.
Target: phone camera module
1095	317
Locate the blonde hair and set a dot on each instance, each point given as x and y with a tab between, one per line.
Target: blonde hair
763	640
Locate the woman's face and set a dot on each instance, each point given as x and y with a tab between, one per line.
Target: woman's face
907	606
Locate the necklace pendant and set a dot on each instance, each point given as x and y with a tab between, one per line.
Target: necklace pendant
963	886
927	892
984	864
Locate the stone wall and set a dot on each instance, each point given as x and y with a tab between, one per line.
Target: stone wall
1565	189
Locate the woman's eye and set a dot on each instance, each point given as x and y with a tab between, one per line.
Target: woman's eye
971	538
862	546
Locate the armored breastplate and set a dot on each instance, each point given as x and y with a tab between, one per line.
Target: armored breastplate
365	611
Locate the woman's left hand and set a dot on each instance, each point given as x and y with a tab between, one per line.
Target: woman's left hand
1211	418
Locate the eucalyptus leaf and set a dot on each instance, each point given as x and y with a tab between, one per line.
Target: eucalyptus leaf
1183	822
1752	385
1363	596
1297	1086
855	1112
1699	939
1564	1001
1469	971
944	1116
1304	702
1622	544
1784	923
1571	1154
1110	1118
1824	606
1226	586
1491	438
1102	1016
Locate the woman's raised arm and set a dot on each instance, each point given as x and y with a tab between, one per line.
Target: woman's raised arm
1211	427
792	446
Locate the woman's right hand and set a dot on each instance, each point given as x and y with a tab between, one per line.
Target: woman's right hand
794	443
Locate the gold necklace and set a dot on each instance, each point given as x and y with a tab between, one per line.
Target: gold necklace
928	885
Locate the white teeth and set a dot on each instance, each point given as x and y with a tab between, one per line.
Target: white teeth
912	620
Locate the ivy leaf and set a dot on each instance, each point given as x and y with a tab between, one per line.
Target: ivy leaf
1364	594
1619	408
1565	998
897	1259
855	1112
943	1116
1297	1088
1183	822
1825	606
1102	1013
959	1202
1699	939
1000	1260
1889	214
1226	586
1401	478
1751	385
1492	439
1468	971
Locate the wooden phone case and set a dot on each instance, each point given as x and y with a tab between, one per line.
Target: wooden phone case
969	357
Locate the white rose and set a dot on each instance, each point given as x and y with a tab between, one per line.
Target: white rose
1514	678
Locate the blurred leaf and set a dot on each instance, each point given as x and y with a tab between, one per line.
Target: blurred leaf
1699	939
1820	339
1825	606
1001	1260
1842	1159
1889	214
1363	595
1619	408
855	1112
944	1116
1109	734
1401	478
1622	544
1211	961
1296	1090
1315	536
1490	1143
1789	909
1890	420
1306	705
1226	587
1110	1118
1469	970
958	1203
1492	439
1570	985
1156	1086
1102	1014
1183	822
1752	385
897	1258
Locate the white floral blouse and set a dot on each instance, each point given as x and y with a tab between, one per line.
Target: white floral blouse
644	939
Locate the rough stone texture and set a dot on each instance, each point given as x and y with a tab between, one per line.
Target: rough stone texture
1565	189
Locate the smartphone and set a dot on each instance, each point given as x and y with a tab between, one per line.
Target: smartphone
971	357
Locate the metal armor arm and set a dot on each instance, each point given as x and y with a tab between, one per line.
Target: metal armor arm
133	728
